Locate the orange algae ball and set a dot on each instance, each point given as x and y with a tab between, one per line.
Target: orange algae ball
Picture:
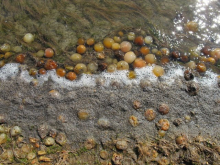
164	60
139	63
90	41
125	46
71	76
81	49
81	41
201	67
49	53
139	40
108	42
42	71
150	58
50	64
61	72
158	70
163	124
99	47
145	50
20	58
211	60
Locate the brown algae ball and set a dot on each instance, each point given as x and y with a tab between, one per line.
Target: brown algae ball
122	65
158	71
107	42
164	60
81	41
71	76
81	49
61	72
201	67
121	145
50	64
139	40
125	46
150	114
133	121
90	41
175	55
181	140
49	53
119	54
145	50
42	71
76	57
80	68
163	109
112	68
211	60
130	57
150	59
163	124
99	47
20	58
139	63
215	53
83	114
192	26
206	50
104	154
188	75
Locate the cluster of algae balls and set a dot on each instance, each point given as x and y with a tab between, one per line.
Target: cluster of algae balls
120	52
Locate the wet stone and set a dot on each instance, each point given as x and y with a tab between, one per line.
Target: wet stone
177	122
49	141
121	145
43	131
192	88
2	119
61	139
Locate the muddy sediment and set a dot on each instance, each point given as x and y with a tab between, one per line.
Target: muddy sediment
108	110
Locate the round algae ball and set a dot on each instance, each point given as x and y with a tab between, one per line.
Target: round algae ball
108	42
150	59
125	46
148	40
129	57
139	63
28	38
92	67
80	68
112	68
158	71
131	36
76	57
122	65
99	47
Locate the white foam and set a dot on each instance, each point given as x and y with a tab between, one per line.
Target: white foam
172	72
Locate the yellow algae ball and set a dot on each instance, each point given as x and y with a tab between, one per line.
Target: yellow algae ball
108	42
117	39
90	41
76	57
28	38
122	65
191	65
99	47
112	68
5	47
130	57
150	59
125	46
80	68
148	40
92	67
131	36
158	71
131	75
115	46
